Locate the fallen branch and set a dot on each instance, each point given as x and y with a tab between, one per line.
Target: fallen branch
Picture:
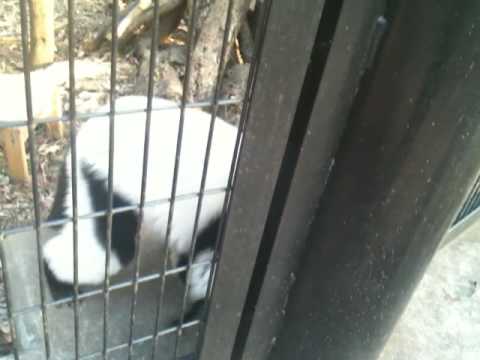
245	38
136	15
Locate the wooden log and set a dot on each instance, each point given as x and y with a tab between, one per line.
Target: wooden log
42	34
56	129
13	142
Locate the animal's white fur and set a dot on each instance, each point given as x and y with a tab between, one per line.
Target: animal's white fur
92	149
199	276
46	84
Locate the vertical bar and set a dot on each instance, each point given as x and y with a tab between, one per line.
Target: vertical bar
273	102
186	82
151	71
470	202
475	196
33	168
206	162
263	16
307	165
6	285
405	164
73	150
113	88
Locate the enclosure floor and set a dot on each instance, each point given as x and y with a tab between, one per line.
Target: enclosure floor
442	321
23	285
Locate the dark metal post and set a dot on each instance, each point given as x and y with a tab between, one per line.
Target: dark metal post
405	164
272	107
352	40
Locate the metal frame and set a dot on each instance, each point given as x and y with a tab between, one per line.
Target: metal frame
272	112
345	49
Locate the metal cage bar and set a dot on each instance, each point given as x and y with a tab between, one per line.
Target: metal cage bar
263	17
111	147
33	167
118	286
73	154
142	340
6	123
153	52
198	210
471	203
116	210
185	85
72	117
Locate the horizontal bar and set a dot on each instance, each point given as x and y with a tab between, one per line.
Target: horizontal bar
87	295
117	210
142	339
176	167
5	123
10	35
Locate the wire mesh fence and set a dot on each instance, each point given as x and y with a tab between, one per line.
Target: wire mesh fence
75	217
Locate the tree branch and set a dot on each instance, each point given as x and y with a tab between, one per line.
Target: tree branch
135	15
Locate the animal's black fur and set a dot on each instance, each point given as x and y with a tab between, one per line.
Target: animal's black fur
124	224
58	211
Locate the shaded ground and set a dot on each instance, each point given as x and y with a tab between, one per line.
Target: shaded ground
442	321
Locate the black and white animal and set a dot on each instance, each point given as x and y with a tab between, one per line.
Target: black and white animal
92	173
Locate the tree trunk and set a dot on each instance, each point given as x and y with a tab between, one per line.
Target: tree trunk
42	32
206	54
42	52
